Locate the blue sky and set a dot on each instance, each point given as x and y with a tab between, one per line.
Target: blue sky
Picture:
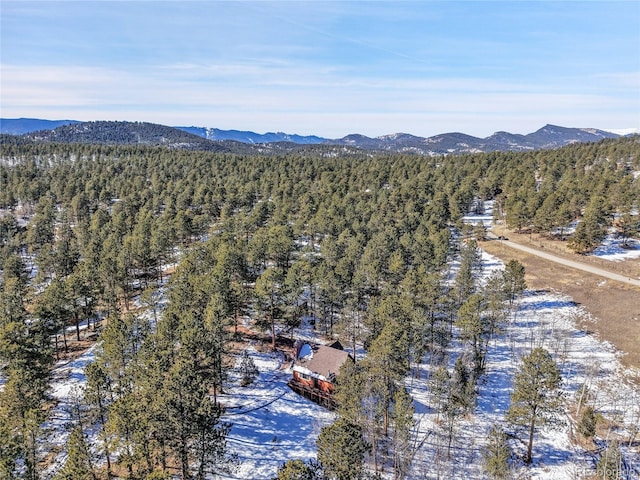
328	68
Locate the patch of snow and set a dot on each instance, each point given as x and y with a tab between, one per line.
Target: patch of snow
542	319
271	423
485	218
623	131
66	388
612	249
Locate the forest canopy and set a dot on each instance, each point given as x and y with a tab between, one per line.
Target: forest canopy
365	238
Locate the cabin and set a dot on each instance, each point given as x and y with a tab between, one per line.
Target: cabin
315	369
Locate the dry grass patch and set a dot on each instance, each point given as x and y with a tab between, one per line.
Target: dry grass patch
614	307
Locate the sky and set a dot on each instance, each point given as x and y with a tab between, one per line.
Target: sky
327	68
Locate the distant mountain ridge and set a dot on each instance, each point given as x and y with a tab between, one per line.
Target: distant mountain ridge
252	137
20	126
547	137
124	133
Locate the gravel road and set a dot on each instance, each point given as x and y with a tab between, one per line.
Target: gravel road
573	264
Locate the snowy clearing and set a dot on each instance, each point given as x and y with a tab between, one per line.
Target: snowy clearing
540	319
612	249
271	423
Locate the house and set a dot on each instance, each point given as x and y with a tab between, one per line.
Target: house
315	369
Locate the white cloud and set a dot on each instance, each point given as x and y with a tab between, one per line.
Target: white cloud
276	95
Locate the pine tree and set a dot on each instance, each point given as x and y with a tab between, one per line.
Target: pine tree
497	454
461	393
341	450
387	363
440	388
588	422
25	361
610	463
270	300
402	420
78	465
514	282
96	395
473	328
466	278
298	470
592	229
536	399
248	369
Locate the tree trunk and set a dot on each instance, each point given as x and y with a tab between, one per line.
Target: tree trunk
532	426
203	453
273	334
77	320
374	444
184	457
64	338
107	454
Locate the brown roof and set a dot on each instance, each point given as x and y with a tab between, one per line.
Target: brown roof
325	361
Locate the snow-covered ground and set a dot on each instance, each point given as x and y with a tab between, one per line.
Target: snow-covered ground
612	249
485	218
271	423
66	389
549	320
540	319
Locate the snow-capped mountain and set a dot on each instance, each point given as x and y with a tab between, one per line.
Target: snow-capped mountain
549	136
252	137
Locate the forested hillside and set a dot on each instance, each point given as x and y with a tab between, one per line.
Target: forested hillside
124	133
363	243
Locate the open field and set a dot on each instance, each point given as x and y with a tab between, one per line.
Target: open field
614	307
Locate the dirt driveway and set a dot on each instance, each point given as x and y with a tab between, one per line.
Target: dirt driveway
611	297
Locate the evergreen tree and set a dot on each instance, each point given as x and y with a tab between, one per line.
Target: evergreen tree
78	465
466	278
496	310
386	364
473	328
53	308
298	470
26	357
341	450
536	399
42	227
513	277
440	388
66	251
270	300
610	463
97	395
402	420
588	422
592	229
248	369
497	454
461	393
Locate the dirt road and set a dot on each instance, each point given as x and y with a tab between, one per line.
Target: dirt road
572	264
611	299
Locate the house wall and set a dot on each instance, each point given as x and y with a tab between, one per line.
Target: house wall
325	386
310	382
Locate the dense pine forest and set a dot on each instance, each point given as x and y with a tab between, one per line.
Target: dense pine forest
362	243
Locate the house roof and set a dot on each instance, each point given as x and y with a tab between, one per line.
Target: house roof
324	361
